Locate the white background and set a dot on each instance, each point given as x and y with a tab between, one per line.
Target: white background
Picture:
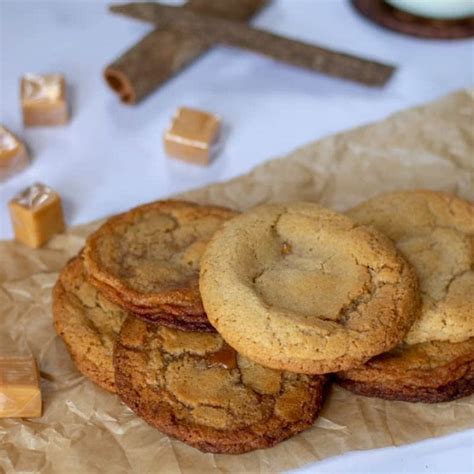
110	157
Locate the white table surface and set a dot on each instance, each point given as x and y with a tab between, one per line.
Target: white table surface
110	156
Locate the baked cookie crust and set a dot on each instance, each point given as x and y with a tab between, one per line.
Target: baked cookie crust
88	323
147	259
302	288
173	316
194	387
435	233
428	372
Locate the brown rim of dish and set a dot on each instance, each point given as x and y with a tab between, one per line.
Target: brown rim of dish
383	14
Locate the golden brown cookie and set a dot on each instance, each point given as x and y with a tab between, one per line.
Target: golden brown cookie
147	260
435	233
194	387
299	287
88	324
427	372
178	319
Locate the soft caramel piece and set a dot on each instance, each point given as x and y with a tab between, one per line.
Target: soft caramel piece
36	215
225	357
13	154
20	394
44	100
192	136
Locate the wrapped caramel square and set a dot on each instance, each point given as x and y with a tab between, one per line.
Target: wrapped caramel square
44	100
20	395
13	154
193	136
37	215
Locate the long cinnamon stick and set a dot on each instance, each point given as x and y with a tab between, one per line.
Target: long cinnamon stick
164	52
224	31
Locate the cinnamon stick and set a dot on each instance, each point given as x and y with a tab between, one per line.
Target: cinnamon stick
164	52
231	33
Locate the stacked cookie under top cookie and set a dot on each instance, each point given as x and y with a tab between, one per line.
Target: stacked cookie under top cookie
295	292
435	360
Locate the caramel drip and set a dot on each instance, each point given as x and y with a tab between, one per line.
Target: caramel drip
225	358
286	248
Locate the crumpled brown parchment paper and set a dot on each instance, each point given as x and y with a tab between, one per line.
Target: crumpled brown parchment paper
86	430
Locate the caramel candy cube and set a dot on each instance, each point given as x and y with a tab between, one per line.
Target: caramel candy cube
192	136
36	215
43	100
20	394
13	154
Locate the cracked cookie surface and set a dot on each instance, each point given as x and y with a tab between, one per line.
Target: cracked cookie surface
147	260
88	323
435	233
299	287
428	372
194	387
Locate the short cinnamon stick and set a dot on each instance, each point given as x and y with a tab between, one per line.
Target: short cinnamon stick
224	31
164	52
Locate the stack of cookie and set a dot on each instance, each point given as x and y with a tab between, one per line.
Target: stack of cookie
220	328
435	360
130	312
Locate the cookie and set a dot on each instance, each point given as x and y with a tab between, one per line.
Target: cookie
194	387
147	260
302	288
428	372
88	324
435	233
178	320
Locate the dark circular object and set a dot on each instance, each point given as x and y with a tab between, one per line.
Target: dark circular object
389	17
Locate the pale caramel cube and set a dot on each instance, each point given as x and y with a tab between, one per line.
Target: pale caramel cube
192	136
44	100
37	215
13	154
20	394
